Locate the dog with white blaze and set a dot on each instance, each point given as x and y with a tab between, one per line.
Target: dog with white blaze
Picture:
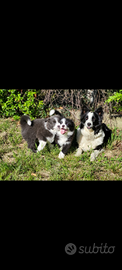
64	137
92	133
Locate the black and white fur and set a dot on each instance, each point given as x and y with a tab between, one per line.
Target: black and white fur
64	137
43	130
92	133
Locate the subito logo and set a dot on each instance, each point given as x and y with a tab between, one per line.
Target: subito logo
70	249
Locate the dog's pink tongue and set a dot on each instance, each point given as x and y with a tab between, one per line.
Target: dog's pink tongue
63	131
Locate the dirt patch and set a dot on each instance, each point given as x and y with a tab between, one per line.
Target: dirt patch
44	175
117	145
116	151
114	121
22	144
75	116
8	157
108	154
3	135
106	176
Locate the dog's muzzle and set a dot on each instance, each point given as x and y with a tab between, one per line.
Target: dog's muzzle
63	131
89	125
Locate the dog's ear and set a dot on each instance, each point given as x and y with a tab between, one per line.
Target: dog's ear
84	109
47	119
99	111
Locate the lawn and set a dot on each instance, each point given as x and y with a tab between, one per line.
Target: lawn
17	162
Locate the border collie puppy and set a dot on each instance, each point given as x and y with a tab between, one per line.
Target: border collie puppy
64	137
92	133
42	130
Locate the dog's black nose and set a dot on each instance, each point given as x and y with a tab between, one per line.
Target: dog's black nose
88	124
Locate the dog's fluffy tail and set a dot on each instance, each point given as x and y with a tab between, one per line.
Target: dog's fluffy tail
25	120
52	112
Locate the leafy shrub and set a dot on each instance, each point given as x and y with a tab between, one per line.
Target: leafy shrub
116	98
15	102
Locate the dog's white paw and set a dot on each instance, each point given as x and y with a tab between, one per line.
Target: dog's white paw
61	155
41	145
78	153
92	157
95	154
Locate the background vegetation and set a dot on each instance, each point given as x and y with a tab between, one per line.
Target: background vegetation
37	102
15	102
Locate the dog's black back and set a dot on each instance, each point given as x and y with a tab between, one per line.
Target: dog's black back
107	132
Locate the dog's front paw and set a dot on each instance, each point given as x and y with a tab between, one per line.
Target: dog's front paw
61	155
78	153
92	157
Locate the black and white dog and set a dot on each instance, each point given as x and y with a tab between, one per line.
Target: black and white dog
92	133
64	137
42	130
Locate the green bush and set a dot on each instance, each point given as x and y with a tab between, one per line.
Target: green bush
116	98
14	102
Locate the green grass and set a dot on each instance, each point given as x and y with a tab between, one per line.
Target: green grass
17	162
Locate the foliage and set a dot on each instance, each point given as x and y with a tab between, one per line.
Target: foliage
117	97
37	102
15	102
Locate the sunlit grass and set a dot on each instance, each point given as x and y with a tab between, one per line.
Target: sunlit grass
17	162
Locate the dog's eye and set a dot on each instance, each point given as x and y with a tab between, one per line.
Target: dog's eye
93	118
54	121
86	117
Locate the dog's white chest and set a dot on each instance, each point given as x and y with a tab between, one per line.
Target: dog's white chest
62	139
87	140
